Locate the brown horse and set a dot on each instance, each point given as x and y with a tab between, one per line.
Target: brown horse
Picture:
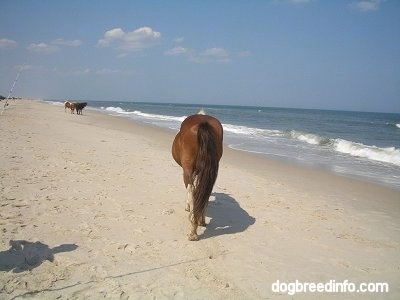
197	148
70	105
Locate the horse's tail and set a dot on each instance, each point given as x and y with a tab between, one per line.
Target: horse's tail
205	170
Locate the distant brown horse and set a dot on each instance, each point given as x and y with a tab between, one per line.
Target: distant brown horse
197	148
70	105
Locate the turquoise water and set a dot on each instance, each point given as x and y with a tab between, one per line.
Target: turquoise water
358	144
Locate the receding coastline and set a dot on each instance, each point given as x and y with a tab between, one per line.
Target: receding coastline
110	187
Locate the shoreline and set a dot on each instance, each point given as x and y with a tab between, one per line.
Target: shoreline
287	161
336	168
106	201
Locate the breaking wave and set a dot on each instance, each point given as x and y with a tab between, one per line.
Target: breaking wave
310	138
143	115
250	131
158	117
388	155
114	109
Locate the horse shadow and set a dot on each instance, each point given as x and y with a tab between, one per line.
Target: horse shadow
23	255
227	217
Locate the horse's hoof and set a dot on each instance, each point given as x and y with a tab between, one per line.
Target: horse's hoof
193	237
203	224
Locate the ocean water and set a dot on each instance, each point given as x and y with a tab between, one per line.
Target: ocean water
356	144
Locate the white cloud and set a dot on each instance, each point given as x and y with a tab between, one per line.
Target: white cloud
54	46
179	40
43	48
107	71
7	44
70	43
214	52
212	55
177	51
109	36
136	40
367	6
245	53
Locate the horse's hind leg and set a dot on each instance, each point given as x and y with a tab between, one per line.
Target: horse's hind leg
189	181
189	205
189	188
189	200
202	222
192	236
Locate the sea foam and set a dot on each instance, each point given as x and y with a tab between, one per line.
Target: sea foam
115	109
309	138
158	117
250	131
138	113
388	155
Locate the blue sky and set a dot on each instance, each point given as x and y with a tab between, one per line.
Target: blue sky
289	53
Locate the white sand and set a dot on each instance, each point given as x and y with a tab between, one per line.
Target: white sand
94	205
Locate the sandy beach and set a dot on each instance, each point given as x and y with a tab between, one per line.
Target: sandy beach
92	206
